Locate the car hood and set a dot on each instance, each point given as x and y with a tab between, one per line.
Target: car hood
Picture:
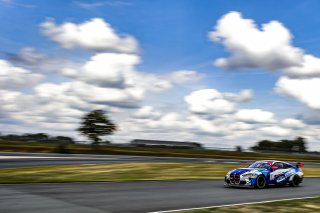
240	171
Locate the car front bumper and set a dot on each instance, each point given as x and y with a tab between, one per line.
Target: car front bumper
241	182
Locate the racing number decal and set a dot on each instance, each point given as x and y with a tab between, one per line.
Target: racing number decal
281	174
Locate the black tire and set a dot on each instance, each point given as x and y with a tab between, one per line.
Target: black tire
260	182
295	181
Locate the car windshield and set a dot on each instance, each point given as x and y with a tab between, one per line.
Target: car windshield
262	165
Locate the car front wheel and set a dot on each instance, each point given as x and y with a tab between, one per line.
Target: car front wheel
260	182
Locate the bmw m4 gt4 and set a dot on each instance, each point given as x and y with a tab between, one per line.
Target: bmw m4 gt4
263	173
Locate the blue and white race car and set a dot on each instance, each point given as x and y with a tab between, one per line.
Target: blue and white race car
263	173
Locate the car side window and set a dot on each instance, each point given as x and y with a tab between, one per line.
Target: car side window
286	166
279	165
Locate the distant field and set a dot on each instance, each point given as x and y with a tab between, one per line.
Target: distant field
8	146
124	172
309	205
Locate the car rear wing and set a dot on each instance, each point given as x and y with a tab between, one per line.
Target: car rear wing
299	165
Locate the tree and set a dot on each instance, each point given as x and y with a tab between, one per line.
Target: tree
96	124
238	149
296	145
63	139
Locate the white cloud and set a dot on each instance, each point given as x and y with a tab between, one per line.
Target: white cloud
8	99
211	101
250	47
146	112
275	131
11	76
128	97
29	58
208	101
236	126
293	123
117	70
255	116
107	81
244	96
310	67
206	126
28	55
161	82
106	70
304	90
182	76
94	35
150	82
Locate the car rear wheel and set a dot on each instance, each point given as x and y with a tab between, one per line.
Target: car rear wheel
295	181
260	182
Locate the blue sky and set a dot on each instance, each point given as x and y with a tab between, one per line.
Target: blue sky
169	39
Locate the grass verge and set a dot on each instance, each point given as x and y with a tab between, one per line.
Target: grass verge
124	172
309	205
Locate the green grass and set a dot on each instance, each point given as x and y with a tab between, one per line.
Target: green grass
310	205
123	172
8	146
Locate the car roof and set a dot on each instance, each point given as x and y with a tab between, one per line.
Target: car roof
273	161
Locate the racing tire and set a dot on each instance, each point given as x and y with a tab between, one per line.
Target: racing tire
260	182
295	181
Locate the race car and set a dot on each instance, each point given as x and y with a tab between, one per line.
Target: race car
264	173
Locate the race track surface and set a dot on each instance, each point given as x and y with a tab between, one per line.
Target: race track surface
131	197
14	160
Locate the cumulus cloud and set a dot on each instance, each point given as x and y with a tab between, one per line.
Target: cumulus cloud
211	101
20	102
31	59
259	124
128	97
304	90
244	96
117	70
146	112
94	35
11	76
106	70
255	116
161	82
107	81
292	123
269	47
310	67
276	131
49	104
27	56
251	47
208	101
206	126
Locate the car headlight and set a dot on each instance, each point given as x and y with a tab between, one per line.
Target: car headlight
250	174
228	174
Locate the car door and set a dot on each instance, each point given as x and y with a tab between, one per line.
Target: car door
277	176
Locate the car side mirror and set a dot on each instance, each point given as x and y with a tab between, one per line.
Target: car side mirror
274	168
299	165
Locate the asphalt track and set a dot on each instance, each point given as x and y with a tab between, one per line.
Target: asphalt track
132	197
14	160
